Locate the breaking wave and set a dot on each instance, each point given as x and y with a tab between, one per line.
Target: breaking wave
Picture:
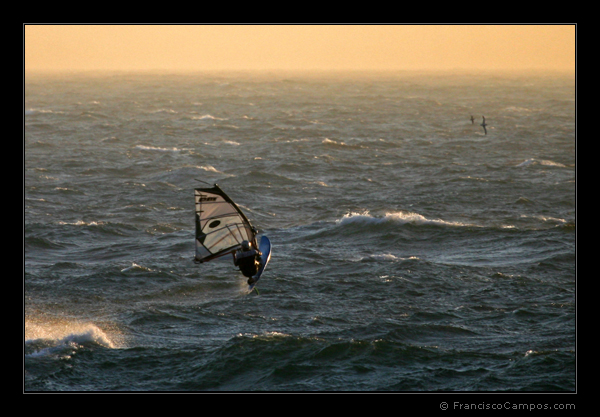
62	337
400	217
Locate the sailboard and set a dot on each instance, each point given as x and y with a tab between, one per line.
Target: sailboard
221	226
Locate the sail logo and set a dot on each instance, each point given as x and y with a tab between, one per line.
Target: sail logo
203	198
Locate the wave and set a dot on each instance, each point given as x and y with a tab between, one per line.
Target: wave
81	223
206	117
365	222
544	219
33	111
231	142
331	142
40	144
396	217
387	257
163	110
62	337
136	267
157	148
524	222
32	242
544	162
210	168
109	228
567	226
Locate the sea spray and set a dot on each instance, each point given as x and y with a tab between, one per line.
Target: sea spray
50	335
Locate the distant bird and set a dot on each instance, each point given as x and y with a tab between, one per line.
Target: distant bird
484	125
472	120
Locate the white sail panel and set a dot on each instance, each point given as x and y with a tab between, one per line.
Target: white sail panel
220	224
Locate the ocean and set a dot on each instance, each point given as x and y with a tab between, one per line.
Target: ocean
412	252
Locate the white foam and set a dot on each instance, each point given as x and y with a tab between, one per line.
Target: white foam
81	223
396	217
171	111
332	142
386	257
545	218
544	162
136	267
57	335
210	168
87	335
383	257
157	148
527	162
552	163
206	117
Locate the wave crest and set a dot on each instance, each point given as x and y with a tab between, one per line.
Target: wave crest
60	337
544	162
400	217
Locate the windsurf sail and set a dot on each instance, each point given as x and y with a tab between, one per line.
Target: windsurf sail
221	226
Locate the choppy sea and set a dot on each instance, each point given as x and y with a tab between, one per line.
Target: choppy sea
411	251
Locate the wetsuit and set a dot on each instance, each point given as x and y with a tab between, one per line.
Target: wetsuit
248	261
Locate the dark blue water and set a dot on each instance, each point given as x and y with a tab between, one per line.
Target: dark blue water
411	252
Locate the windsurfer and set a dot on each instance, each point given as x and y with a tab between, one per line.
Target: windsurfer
247	258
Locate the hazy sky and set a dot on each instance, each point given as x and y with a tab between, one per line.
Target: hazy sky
337	47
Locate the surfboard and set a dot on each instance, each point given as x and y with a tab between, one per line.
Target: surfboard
265	249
